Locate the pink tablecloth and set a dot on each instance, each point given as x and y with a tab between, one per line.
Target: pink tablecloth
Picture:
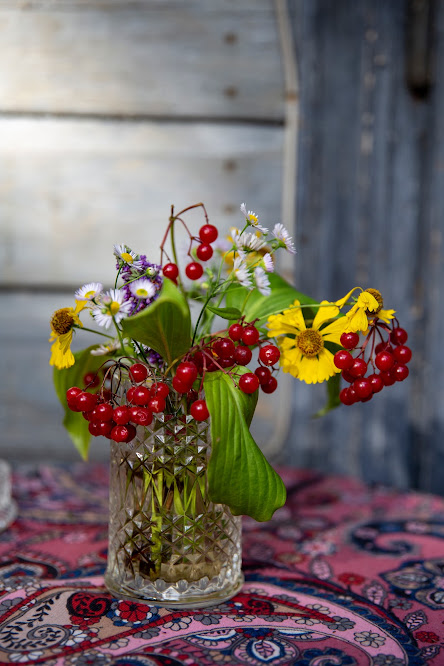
343	574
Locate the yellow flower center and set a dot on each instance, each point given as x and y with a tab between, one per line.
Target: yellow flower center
114	307
62	321
90	294
310	342
376	295
127	257
252	218
142	293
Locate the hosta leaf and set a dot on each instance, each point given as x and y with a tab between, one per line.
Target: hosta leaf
226	313
165	326
238	473
74	422
257	306
333	389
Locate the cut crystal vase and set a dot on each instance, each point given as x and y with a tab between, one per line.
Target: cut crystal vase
168	543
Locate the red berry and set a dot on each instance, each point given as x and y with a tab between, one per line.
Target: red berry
269	355
343	359
121	415
402	354
87	415
249	383
383	346
86	401
359	368
160	390
226	362
235	332
208	233
140	395
194	271
242	355
363	388
138	372
186	372
376	382
224	347
157	405
204	252
347	397
72	405
171	271
198	360
384	361
349	340
91	379
192	395
141	416
270	386
401	372
104	427
263	374
102	412
94	429
398	336
347	376
179	385
123	433
388	378
250	335
73	392
130	393
199	410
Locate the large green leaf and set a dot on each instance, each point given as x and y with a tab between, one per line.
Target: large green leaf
257	306
238	473
74	422
165	326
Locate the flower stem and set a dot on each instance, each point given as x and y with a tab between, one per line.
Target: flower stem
91	330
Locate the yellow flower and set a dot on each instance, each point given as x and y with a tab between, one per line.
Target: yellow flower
303	351
368	306
62	323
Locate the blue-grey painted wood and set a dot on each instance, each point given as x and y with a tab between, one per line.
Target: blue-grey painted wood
369	212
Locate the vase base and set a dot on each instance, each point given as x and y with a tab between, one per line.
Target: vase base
194	600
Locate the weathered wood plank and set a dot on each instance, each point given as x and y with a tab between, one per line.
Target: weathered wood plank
197	59
361	188
71	189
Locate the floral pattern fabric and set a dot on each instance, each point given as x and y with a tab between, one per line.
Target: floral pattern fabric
343	574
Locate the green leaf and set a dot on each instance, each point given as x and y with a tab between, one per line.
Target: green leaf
333	388
74	422
226	313
238	473
165	326
258	306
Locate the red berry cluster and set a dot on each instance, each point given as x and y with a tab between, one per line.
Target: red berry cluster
204	251
386	363
231	351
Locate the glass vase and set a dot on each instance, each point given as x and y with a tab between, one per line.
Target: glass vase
168	543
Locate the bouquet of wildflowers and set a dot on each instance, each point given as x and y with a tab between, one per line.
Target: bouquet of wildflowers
262	324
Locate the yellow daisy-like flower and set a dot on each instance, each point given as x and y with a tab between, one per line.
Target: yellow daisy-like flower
303	351
368	306
62	323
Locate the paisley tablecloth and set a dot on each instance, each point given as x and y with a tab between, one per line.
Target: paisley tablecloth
343	574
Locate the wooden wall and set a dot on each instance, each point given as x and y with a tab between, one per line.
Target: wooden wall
370	211
111	111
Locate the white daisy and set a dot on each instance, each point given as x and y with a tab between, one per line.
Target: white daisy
252	218
142	288
126	256
282	235
113	307
240	271
246	241
268	262
262	281
103	350
89	291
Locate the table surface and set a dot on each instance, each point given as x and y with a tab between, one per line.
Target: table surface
343	574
